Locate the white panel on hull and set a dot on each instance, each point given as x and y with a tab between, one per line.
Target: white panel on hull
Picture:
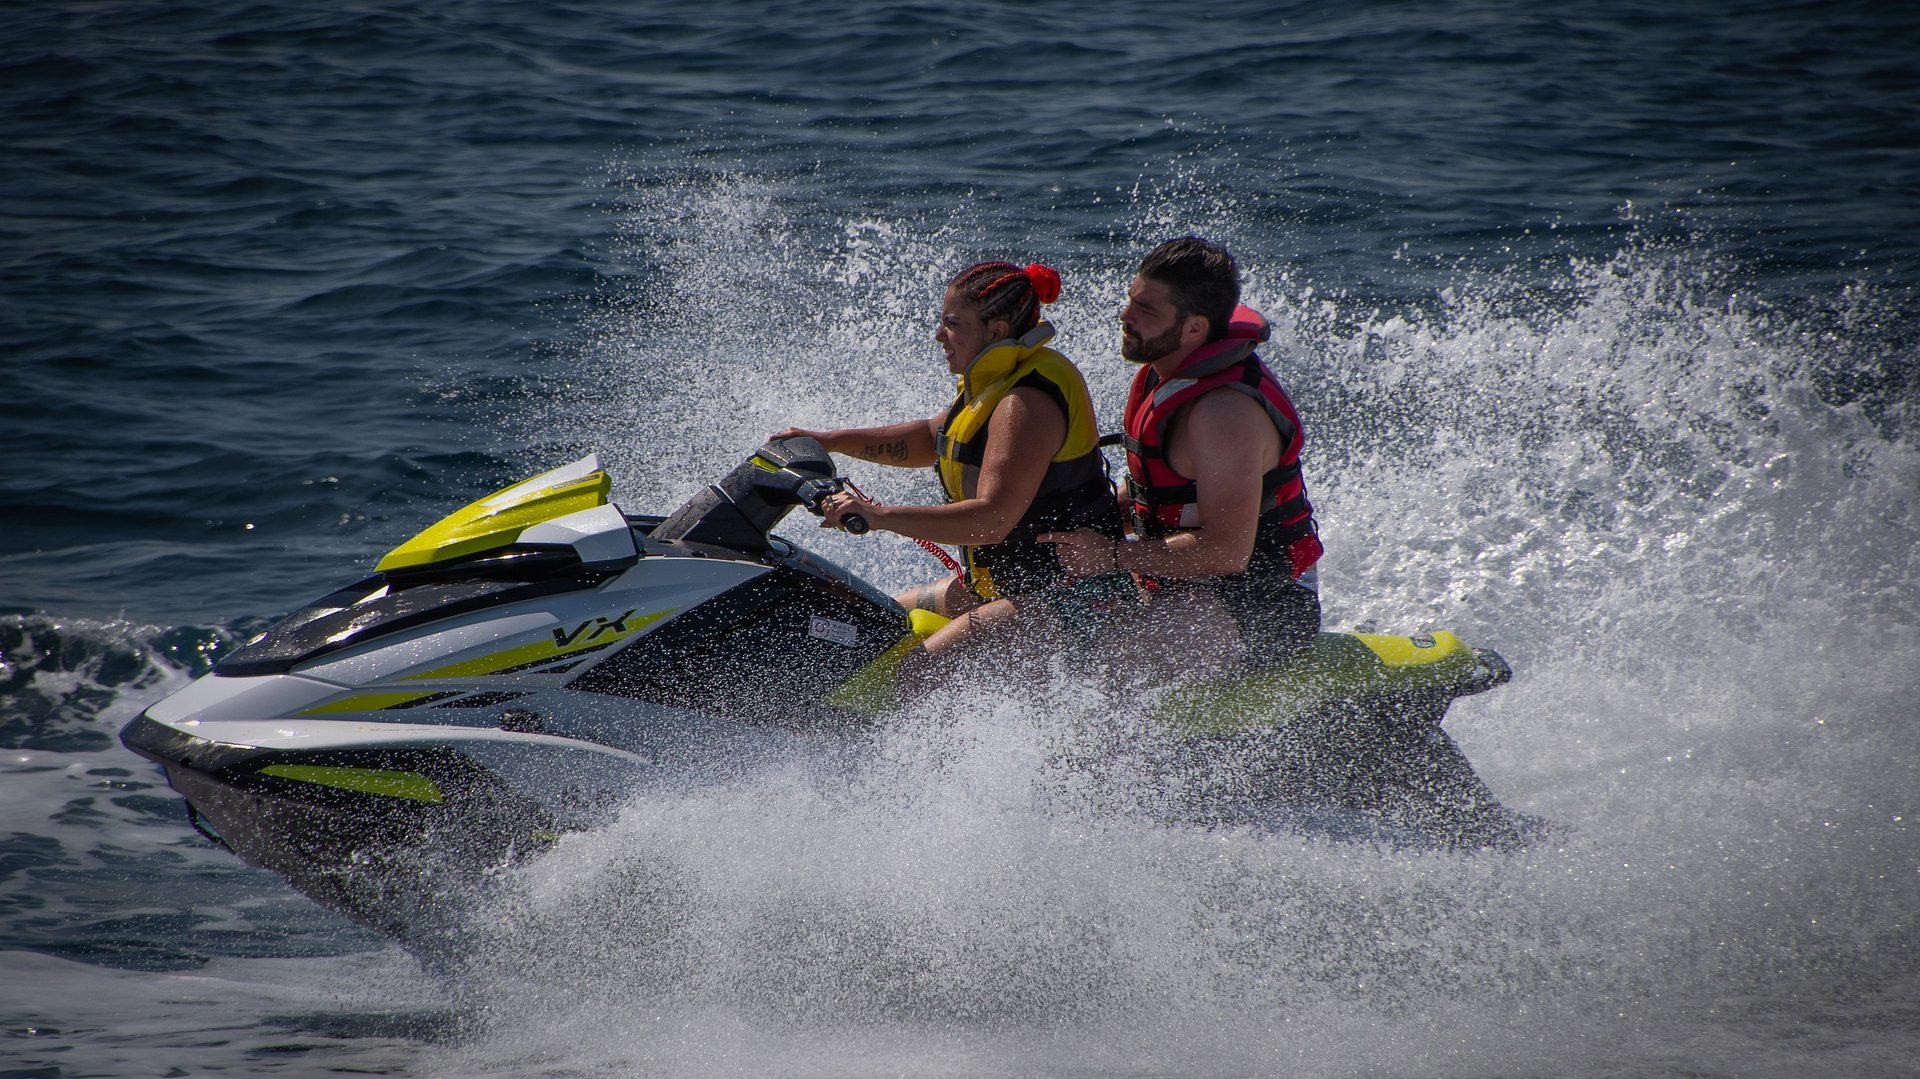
213	698
654	585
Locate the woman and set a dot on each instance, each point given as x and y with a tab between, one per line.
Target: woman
1017	452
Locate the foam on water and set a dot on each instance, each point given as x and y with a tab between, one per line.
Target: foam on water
1630	481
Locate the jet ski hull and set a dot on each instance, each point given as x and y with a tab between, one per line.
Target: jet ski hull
392	838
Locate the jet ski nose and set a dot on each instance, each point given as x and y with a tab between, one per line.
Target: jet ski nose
1490	670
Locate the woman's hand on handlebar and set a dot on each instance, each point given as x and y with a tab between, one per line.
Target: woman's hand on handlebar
801	432
844	511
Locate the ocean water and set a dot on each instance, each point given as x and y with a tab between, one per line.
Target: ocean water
1602	321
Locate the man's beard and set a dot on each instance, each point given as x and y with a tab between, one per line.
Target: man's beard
1148	349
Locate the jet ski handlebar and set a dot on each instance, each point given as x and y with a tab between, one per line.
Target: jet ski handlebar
805	460
814	493
741	510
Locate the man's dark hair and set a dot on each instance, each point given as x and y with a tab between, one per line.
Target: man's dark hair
1202	277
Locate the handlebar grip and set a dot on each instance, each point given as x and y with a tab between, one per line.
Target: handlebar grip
854	523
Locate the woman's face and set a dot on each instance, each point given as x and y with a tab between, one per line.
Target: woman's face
963	334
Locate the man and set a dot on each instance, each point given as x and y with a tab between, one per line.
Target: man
1225	540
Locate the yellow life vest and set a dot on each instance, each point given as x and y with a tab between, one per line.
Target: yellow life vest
1074	490
990	377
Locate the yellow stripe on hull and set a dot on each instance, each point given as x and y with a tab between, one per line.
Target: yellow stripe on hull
411	786
526	654
365	702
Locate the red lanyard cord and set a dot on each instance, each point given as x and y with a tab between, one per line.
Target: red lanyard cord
932	548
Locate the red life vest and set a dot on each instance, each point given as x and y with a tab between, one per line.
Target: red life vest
1163	499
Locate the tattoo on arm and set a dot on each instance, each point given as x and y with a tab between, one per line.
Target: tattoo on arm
927	598
884	451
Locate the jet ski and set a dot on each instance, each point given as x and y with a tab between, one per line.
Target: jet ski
522	667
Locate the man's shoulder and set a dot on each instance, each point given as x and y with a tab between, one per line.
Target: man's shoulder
1221	423
1226	404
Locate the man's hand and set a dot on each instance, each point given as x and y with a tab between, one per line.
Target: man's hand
1084	553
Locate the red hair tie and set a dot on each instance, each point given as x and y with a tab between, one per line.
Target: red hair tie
1046	282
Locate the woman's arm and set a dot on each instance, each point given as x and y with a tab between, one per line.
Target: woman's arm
1026	429
909	444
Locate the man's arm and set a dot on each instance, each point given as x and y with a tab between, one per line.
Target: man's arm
1226	442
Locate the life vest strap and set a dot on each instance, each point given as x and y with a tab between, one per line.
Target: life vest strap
1291	532
1249	382
1270	484
967	453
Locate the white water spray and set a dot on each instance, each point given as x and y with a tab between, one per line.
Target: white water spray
1704	574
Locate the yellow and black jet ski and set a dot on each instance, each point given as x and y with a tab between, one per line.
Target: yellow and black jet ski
525	665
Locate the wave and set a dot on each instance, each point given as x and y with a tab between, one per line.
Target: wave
64	682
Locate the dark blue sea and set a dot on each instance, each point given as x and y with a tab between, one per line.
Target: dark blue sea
1602	319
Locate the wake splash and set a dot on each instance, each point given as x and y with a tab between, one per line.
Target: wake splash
954	909
1643	490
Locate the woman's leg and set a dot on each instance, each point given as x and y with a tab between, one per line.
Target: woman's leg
970	625
927	666
949	597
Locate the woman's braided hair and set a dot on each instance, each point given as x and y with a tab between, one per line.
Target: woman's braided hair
1001	290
